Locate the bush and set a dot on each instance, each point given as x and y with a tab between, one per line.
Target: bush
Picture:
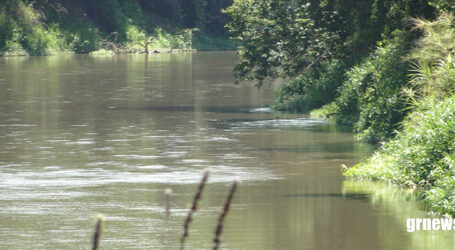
22	31
422	155
181	40
40	28
205	42
325	111
312	89
6	30
108	15
370	99
82	37
134	35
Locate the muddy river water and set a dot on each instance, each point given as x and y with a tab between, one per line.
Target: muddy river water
82	135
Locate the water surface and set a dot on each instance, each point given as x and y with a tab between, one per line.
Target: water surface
81	135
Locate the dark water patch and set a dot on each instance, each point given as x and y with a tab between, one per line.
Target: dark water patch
211	109
314	125
298	123
334	147
347	196
234	123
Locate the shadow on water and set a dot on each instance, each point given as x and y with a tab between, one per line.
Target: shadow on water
347	196
275	122
212	109
333	147
267	124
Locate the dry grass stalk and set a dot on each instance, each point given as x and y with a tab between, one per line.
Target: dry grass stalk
97	234
188	219
219	227
168	193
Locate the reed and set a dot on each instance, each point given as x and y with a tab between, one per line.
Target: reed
168	193
167	197
188	219
219	227
97	233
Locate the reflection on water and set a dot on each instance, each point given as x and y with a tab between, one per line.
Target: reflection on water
401	204
354	196
217	109
82	135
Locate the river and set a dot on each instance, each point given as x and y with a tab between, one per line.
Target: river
82	135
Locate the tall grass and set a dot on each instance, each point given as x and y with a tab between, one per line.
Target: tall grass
433	72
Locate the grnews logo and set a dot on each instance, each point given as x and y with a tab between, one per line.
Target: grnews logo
435	224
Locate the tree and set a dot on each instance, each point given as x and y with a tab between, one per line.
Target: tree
279	38
286	37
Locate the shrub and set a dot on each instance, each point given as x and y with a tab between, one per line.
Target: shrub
133	34
205	42
181	40
422	155
109	16
312	89
82	37
22	31
6	30
370	99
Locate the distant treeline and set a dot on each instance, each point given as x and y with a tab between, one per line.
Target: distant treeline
47	26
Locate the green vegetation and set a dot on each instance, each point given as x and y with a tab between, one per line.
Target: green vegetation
422	154
48	27
311	89
352	53
288	38
370	99
375	67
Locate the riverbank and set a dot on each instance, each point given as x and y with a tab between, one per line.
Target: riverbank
49	28
420	155
400	97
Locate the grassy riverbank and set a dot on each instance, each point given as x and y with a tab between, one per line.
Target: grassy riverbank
53	27
386	69
422	155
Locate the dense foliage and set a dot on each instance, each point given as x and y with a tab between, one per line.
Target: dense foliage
285	38
422	155
433	59
44	27
371	97
280	38
300	39
313	88
395	84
